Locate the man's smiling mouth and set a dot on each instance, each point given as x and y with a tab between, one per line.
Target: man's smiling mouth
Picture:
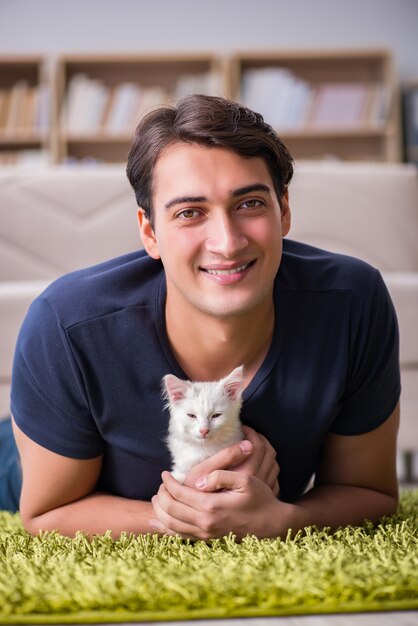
225	272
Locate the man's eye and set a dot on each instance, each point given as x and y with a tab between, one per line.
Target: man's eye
251	204
187	214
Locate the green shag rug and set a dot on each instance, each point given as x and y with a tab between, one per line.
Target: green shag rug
54	579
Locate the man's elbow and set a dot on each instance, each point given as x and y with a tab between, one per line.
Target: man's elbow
393	504
32	524
389	504
31	527
36	521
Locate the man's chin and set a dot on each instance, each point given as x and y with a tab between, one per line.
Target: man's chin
227	310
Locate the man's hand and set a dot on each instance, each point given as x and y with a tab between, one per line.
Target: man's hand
221	502
262	462
246	474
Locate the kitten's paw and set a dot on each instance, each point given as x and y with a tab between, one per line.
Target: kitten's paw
179	476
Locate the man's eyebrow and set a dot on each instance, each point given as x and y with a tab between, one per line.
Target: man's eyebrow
249	188
235	194
183	199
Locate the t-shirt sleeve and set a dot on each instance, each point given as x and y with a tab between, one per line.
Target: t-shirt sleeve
373	379
48	398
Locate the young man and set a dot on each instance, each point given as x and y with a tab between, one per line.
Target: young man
216	288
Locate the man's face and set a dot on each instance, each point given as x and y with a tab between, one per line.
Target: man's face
218	230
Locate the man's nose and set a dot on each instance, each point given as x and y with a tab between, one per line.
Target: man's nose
225	236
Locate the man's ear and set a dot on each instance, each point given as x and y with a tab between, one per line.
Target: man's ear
147	235
285	213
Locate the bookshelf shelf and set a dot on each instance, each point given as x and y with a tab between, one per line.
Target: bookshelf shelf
337	133
18	137
341	104
96	138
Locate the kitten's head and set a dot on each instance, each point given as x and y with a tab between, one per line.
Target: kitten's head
203	411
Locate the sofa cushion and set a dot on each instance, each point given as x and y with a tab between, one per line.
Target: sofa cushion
58	219
365	210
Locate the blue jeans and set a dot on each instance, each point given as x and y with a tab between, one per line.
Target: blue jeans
10	469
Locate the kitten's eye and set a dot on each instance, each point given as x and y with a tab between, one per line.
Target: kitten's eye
191	415
216	415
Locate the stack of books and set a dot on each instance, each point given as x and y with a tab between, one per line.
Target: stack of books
24	109
289	103
92	107
344	105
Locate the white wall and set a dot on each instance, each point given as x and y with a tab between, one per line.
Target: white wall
63	26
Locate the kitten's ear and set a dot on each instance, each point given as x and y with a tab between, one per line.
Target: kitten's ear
175	388
233	383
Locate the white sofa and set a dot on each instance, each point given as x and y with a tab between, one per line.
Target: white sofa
58	219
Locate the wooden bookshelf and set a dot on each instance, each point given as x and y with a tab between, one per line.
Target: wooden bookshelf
104	135
294	91
25	105
145	80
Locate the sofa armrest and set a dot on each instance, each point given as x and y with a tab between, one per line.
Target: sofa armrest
15	299
403	288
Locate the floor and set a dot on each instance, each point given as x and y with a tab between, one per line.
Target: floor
398	618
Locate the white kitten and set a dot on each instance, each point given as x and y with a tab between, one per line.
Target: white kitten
204	418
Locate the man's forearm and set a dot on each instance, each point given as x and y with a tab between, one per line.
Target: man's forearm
340	505
95	514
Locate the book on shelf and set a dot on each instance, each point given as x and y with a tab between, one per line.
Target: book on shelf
28	110
128	103
339	105
69	102
205	83
42	109
18	98
4	107
84	105
125	103
150	98
281	98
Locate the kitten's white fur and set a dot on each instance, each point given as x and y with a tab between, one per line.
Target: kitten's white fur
204	418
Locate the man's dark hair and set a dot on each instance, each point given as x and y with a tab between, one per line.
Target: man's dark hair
208	121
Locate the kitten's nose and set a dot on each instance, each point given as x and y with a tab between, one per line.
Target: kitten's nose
203	431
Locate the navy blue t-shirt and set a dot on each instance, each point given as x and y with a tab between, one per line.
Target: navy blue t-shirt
93	349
